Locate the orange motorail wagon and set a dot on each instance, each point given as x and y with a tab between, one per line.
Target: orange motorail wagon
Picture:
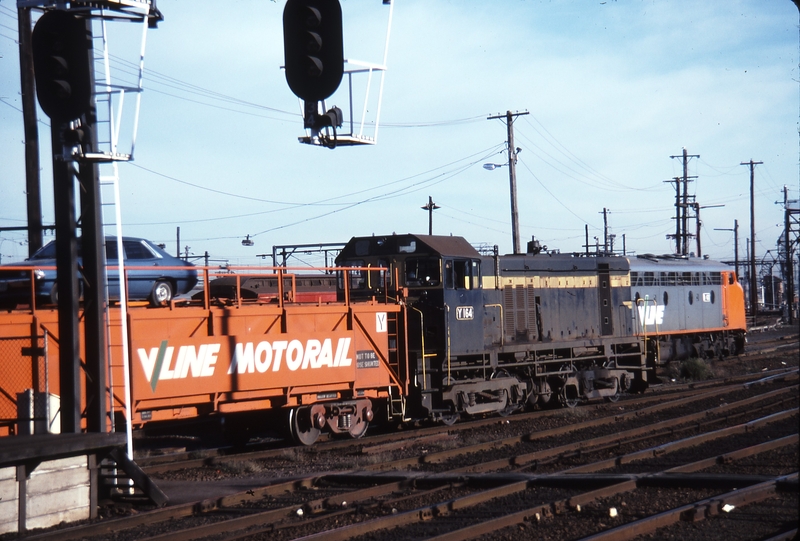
326	365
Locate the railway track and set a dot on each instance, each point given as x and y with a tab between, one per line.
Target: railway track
536	485
374	444
669	463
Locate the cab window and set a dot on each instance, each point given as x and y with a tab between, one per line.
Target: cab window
461	274
357	278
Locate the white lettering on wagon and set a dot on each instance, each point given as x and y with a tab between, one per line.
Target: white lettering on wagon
248	358
157	364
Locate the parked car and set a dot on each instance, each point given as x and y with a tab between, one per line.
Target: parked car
155	284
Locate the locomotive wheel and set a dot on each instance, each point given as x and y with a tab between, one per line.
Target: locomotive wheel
450	419
571	402
507	408
566	400
617	392
300	426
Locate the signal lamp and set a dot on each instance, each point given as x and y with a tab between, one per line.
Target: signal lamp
61	49
313	47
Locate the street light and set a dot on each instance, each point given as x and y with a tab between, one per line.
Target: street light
493	166
430	207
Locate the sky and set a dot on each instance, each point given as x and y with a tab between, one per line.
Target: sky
612	90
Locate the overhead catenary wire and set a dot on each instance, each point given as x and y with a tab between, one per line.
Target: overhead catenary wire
426	182
590	177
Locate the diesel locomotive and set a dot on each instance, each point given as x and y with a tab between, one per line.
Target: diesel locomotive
492	334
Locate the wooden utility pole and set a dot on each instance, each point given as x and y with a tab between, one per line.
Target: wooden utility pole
512	174
753	277
788	274
28	93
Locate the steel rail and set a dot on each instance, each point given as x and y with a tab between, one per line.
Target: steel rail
551	509
207	505
694	511
221	456
673	446
445	508
528	458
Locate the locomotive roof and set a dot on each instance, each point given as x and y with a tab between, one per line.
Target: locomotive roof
408	244
551	262
653	263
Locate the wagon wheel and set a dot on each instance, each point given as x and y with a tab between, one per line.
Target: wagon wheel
359	428
617	392
300	426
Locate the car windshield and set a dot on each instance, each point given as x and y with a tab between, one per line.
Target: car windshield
46	252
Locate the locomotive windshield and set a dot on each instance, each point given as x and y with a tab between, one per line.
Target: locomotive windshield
423	272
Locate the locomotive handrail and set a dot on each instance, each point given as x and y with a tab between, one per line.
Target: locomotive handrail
422	344
447	326
644	302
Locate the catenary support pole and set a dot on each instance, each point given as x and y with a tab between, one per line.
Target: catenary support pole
31	130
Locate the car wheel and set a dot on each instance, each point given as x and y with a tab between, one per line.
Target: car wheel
54	294
161	294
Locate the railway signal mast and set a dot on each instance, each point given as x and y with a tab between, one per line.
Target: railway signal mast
314	58
86	116
315	67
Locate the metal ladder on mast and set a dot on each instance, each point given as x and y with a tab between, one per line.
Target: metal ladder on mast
109	102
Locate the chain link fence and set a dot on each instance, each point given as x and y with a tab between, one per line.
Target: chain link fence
24	384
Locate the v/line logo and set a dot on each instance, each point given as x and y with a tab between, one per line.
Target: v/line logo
651	314
248	357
